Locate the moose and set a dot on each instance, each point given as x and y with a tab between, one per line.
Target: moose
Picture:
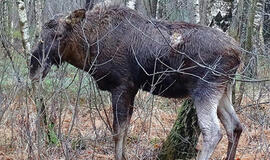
125	52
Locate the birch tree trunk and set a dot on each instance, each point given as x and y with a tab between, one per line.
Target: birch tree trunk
11	17
38	16
4	18
266	22
258	22
160	9
197	11
3	21
24	28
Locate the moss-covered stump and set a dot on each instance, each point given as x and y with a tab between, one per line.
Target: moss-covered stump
182	140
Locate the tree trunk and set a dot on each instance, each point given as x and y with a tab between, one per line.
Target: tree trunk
147	7
197	11
4	16
11	21
203	8
250	67
182	140
38	17
266	22
151	7
249	39
24	27
235	31
235	27
140	6
258	22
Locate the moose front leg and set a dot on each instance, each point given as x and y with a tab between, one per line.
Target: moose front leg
122	101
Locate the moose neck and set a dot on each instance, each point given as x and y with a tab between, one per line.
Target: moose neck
83	37
74	54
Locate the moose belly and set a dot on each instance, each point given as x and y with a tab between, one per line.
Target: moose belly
170	87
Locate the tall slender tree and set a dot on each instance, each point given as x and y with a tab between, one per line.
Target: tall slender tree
203	9
24	27
249	60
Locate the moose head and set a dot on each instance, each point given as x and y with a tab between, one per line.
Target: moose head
55	38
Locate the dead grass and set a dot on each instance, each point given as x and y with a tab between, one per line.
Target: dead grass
91	139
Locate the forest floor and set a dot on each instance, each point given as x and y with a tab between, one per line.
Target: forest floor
91	139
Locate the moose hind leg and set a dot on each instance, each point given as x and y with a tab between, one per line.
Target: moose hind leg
230	121
122	101
206	107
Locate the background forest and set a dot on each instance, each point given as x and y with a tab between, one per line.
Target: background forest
67	117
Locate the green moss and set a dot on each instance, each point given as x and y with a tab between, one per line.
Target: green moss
52	137
182	140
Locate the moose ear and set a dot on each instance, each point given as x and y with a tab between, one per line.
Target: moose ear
75	17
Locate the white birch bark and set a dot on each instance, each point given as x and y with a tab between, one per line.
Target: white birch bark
24	26
197	11
258	23
38	9
5	15
131	4
11	18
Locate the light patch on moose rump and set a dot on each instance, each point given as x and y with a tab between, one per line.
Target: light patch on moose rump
176	39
